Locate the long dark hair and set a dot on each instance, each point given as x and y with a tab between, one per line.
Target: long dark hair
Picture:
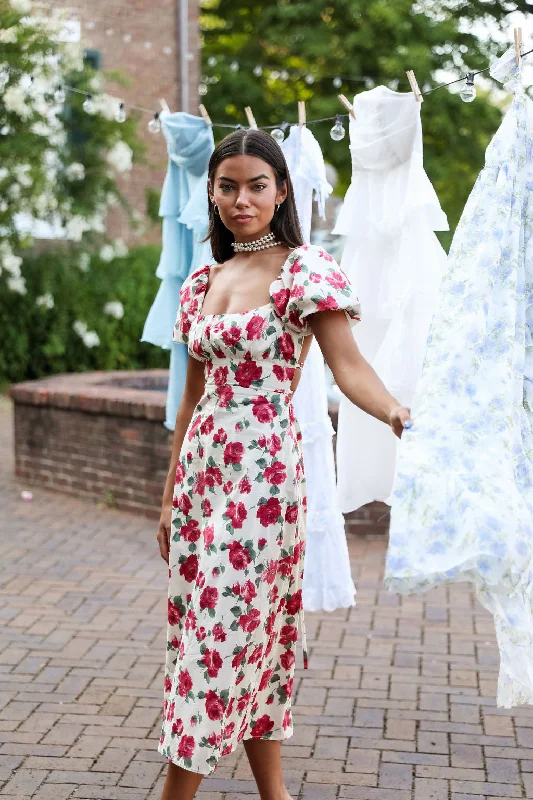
284	224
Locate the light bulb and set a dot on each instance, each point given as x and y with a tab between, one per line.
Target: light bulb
154	126
278	135
284	75
120	116
202	89
258	71
309	79
337	83
211	61
338	133
369	83
468	93
393	85
89	106
234	66
60	95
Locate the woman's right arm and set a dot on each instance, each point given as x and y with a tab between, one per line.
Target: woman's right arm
194	389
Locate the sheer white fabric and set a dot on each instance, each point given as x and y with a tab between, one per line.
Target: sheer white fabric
393	257
463	503
327	581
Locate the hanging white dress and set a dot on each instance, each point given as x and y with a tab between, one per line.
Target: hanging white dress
328	580
392	255
463	503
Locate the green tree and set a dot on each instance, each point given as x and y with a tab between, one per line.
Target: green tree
317	42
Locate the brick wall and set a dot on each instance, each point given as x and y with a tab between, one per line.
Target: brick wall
153	73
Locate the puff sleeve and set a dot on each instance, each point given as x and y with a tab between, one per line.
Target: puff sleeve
311	281
192	294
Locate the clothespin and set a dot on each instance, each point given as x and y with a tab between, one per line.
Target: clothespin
301	113
414	86
164	106
347	105
250	117
518	44
205	116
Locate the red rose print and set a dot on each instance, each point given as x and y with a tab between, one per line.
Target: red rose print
219	635
295	319
288	634
279	372
294	603
287	688
207	425
281	299
328	304
248	592
201	633
193	428
174	614
286	720
262	726
186	747
263	410
225	395
298	549
231	336
185	295
265	678
213	476
295	267
238	658
316	277
242	702
274	444
236	589
249	622
175	643
200	581
190	620
297	291
245	487
287	659
180	472
183	503
197	348
285	565
269	627
337	280
170	712
228	487
185	324
228	731
199	483
326	256
262	441
256	655
268	512
213	662
247	372
255	327
207	508
214	740
177	727
220	376
275	474
261	543
270	699
237	513
209	597
286	346
168	684
291	514
184	683
238	555
233	453
209	536
189	568
191	531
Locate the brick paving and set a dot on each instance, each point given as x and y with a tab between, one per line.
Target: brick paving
398	703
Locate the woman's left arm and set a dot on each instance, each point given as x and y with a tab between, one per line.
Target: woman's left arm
353	374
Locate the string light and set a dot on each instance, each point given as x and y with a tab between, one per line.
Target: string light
120	116
89	106
60	95
468	93
154	126
338	133
337	83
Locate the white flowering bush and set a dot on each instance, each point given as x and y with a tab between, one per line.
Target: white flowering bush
58	164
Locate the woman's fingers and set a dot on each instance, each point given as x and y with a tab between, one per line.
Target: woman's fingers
163	540
401	420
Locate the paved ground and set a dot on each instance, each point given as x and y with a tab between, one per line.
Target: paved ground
398	703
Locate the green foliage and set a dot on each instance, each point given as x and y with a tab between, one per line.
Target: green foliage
375	38
39	341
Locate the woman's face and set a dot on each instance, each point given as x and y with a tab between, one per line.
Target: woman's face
245	192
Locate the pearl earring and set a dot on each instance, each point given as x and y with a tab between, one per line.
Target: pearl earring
278	207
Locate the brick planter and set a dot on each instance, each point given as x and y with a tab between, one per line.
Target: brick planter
101	435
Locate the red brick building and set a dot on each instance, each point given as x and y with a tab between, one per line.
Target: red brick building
154	45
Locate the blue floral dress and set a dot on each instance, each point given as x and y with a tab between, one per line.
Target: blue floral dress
238	529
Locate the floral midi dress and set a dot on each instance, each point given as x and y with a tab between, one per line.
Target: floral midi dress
238	527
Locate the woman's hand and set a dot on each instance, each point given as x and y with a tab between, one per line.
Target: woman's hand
164	532
399	419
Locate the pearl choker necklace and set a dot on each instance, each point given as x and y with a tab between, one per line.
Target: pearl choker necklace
258	244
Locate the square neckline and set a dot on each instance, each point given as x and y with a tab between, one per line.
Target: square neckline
249	310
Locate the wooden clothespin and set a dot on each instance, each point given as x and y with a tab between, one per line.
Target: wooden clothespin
414	86
250	117
205	116
301	114
518	44
347	105
164	106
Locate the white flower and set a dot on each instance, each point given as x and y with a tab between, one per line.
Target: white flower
120	157
114	309
12	264
3	206
41	128
75	171
17	285
45	301
14	191
22	174
80	328
84	262
97	223
72	57
15	101
21	6
107	253
8	35
3	173
96	83
107	106
91	339
121	248
76	227
111	199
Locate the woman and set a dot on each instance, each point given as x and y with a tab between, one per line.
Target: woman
232	526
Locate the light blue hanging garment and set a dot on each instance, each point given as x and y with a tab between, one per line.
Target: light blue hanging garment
184	209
